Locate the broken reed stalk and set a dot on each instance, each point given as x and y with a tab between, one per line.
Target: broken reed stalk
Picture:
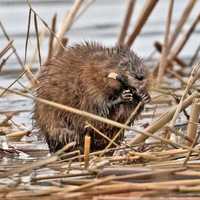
105	120
177	49
16	136
126	22
181	22
51	36
148	8
87	144
163	120
6	48
165	48
193	121
67	22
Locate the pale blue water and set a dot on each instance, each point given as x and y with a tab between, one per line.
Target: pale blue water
101	22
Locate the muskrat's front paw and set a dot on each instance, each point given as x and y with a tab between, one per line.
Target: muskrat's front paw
144	95
126	96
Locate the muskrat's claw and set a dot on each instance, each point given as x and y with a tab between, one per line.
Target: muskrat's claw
145	97
143	94
127	96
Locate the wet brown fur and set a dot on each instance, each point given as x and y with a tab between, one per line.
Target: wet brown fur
78	78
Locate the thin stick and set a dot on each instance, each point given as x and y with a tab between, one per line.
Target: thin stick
177	76
29	73
85	6
3	62
53	28
131	117
148	8
6	48
59	51
27	35
37	37
181	22
178	60
67	22
87	144
14	49
45	24
102	134
165	49
177	49
16	80
126	22
194	57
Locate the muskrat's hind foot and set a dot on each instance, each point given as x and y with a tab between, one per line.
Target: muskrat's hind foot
59	137
53	144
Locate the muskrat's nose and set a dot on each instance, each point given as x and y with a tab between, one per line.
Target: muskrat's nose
139	77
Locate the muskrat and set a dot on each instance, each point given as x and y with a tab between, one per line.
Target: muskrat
80	78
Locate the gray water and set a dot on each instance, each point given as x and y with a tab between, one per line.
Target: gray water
101	22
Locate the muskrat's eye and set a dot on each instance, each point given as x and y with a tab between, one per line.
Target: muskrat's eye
139	77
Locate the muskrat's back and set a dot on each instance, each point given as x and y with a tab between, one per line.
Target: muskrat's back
79	78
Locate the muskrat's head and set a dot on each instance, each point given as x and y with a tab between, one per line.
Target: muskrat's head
132	73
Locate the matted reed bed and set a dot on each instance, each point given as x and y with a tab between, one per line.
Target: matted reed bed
160	159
